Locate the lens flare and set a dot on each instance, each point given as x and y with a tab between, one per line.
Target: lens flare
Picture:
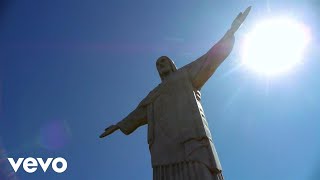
54	135
6	172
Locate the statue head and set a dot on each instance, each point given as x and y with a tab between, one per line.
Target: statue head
165	67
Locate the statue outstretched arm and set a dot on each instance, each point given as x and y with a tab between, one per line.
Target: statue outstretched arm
135	119
202	69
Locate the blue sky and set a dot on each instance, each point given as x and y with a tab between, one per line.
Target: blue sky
70	68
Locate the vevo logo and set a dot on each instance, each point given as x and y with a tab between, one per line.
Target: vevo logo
30	165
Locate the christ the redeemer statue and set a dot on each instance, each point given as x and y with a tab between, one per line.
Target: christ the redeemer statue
179	138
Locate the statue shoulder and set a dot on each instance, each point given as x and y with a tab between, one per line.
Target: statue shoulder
153	94
150	97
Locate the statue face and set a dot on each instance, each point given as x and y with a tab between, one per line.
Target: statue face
164	67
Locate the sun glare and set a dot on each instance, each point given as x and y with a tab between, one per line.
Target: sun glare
275	46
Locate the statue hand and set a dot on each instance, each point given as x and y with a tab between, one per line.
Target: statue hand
109	130
239	20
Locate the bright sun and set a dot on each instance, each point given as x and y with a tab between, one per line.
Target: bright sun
275	46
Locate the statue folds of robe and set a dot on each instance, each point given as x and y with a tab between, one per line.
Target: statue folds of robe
179	138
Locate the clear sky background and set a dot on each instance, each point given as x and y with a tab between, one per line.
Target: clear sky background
70	68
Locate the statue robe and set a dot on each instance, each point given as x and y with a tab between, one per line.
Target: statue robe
179	138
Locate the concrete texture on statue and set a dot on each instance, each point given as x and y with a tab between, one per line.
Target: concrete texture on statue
180	142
